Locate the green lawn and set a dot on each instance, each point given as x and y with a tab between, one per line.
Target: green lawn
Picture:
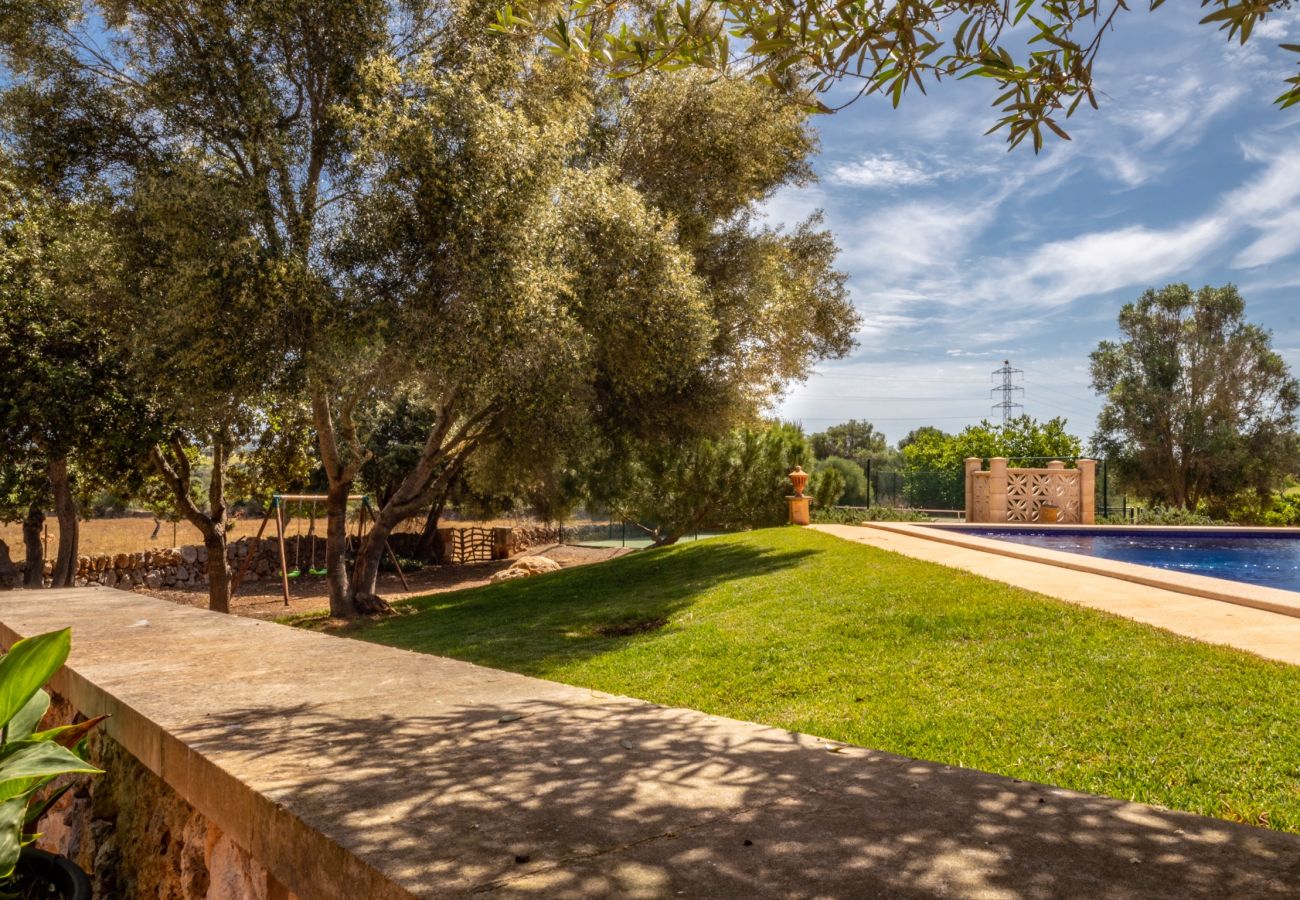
803	631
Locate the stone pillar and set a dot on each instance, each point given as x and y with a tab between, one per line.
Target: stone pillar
997	489
1087	491
973	465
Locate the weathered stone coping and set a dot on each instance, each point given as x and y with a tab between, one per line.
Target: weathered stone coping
354	770
1271	599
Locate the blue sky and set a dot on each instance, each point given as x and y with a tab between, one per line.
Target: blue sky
962	254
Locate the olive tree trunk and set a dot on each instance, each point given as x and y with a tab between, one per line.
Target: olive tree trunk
342	457
173	466
65	509
33	547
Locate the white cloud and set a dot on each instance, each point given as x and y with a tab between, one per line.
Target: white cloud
914	238
1280	239
885	170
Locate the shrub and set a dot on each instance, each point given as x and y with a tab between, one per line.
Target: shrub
31	759
1174	516
856	515
854	491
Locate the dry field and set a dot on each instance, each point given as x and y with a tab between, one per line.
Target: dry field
132	535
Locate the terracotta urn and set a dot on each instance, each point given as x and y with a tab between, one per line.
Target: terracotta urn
799	478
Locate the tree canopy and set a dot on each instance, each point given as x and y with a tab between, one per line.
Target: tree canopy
1039	54
353	205
855	440
1198	405
935	460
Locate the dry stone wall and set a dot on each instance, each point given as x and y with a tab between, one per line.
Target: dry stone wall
136	837
187	567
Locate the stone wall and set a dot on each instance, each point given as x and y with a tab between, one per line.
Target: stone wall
136	837
1003	494
187	567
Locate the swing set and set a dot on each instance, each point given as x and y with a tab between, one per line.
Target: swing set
279	503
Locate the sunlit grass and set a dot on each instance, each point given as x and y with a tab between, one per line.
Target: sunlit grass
803	631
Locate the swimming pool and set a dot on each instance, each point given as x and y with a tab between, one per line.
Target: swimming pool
1253	558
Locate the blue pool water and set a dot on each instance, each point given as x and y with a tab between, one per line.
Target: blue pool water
1255	559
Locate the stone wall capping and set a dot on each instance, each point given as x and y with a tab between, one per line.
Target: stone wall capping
349	769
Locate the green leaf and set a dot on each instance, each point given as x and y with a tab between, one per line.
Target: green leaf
20	771
24	723
12	818
26	668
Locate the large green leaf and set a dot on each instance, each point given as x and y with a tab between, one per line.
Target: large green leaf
23	770
27	666
12	816
24	723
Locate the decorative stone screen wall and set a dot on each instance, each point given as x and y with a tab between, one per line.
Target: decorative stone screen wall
1002	494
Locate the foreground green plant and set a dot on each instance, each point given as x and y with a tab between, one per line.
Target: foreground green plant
31	759
807	632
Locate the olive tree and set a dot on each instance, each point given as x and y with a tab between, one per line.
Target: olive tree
65	401
1198	405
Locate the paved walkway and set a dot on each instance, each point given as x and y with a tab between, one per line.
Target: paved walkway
1268	634
336	762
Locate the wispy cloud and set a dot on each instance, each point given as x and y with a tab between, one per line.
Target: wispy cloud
885	170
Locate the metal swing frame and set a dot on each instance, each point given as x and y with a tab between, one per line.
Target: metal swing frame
277	509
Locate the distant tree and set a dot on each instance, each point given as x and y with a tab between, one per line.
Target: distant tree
855	440
1198	406
926	431
737	481
1023	440
853	481
934	461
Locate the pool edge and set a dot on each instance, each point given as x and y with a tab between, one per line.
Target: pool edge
1274	600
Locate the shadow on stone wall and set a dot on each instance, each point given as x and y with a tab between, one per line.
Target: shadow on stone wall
621	798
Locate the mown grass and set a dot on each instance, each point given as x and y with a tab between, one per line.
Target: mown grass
806	632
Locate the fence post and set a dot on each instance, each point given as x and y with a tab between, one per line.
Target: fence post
1105	488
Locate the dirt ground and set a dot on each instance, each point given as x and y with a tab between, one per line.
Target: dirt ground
264	600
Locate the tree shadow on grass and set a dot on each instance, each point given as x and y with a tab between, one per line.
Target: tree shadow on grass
576	613
577	795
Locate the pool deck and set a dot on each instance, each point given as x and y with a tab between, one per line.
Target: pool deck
1262	621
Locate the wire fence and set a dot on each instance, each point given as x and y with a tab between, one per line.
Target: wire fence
945	490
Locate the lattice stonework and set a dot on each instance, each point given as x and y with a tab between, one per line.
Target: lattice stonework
1029	489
